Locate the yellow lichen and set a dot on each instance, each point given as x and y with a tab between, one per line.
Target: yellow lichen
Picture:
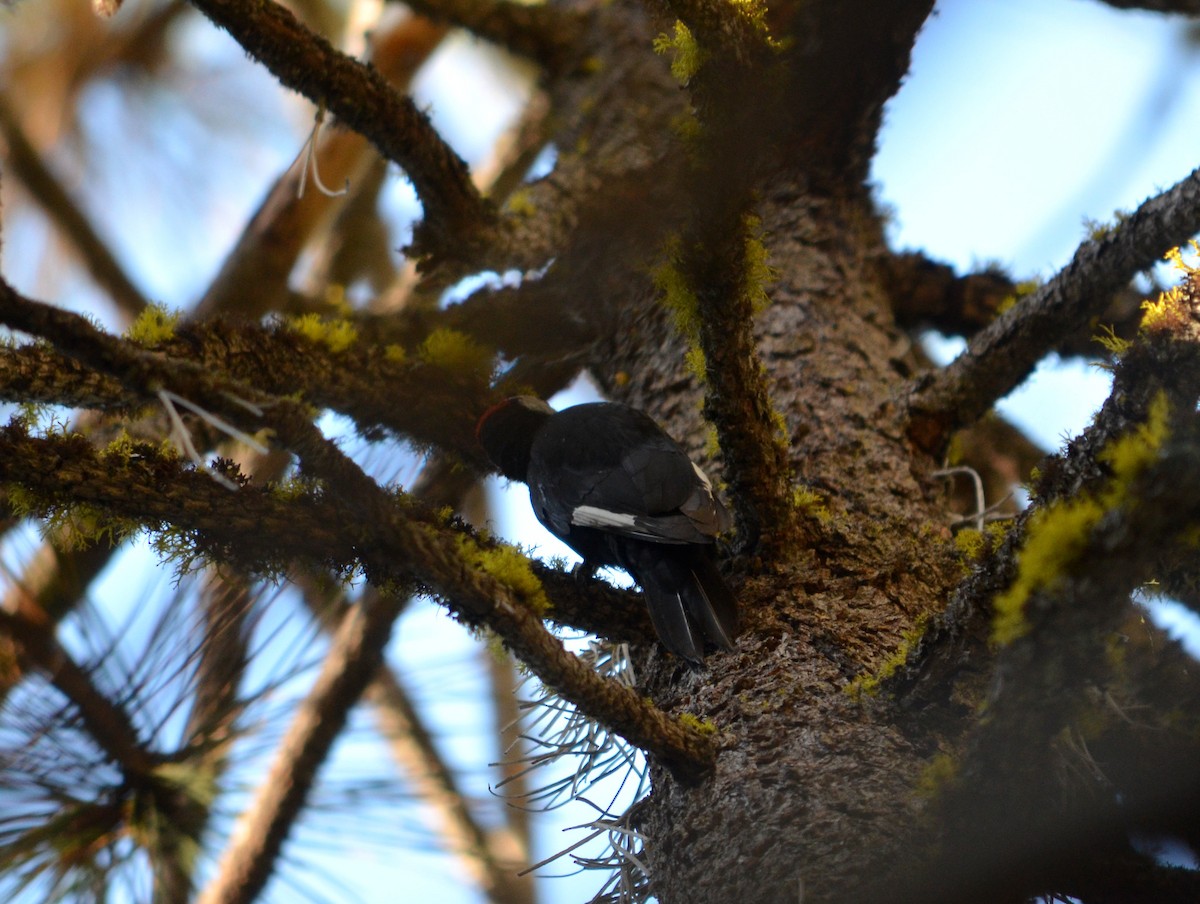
394	353
811	503
702	726
454	351
1056	535
154	326
336	335
1112	343
1170	312
508	566
686	55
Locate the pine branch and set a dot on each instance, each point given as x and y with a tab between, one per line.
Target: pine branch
927	293
1000	357
109	724
1009	823
455	216
54	580
352	661
414	749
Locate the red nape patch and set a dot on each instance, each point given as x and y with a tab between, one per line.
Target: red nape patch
488	413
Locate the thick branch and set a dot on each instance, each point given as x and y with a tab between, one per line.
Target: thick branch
1005	353
1014	827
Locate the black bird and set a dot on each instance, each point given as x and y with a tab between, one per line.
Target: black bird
606	480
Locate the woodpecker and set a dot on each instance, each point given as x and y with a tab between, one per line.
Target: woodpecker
610	483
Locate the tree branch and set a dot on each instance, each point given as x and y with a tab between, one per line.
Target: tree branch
1003	355
1012	827
106	722
455	215
254	276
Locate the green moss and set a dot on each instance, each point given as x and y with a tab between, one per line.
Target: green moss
80	526
395	354
705	727
336	335
677	291
1055	537
456	352
757	273
971	545
939	773
686	55
154	326
120	449
1130	454
869	685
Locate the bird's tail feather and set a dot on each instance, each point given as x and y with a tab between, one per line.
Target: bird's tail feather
688	599
713	606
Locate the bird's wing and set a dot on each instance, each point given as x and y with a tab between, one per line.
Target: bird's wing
614	469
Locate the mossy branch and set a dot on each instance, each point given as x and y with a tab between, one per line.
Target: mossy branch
1001	811
385	542
433	399
715	288
1075	492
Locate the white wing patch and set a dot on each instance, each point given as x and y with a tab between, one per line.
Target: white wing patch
660	529
593	516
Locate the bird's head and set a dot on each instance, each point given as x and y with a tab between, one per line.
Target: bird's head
506	431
